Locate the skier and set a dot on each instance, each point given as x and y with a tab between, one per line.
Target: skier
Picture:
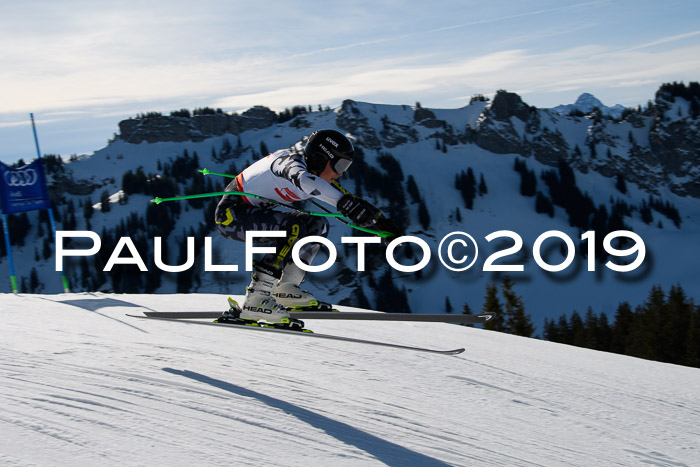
305	170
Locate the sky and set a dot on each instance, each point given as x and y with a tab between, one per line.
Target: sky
82	66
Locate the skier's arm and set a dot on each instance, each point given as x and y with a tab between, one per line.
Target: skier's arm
359	211
291	166
319	189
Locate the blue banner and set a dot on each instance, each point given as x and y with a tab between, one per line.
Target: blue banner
24	188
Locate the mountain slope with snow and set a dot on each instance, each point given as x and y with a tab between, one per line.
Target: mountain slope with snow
83	384
432	146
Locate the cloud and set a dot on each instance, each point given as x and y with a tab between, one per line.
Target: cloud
140	57
239	83
519	15
579	68
331	84
664	40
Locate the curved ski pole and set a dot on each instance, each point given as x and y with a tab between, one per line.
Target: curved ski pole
158	200
209	172
327	213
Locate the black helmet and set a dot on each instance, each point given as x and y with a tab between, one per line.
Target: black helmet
325	145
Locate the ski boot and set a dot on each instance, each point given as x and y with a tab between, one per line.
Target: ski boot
233	316
259	306
290	295
293	298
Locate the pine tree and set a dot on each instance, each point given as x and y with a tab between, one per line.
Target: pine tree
642	340
448	305
18	226
33	281
551	332
621	328
46	249
104	201
466	184
517	320
564	330
543	205
645	212
389	297
412	189
85	274
483	189
604	336
674	324
692	352
493	305
467	310
577	333
88	210
620	183
423	215
528	183
590	324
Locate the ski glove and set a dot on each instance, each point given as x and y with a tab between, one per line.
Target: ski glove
359	211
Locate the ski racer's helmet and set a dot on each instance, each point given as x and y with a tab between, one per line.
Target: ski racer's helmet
328	145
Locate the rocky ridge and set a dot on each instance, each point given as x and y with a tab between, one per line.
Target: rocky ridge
655	147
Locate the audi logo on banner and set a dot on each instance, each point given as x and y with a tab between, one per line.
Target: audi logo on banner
20	178
23	188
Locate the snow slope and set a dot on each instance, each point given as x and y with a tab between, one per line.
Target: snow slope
83	384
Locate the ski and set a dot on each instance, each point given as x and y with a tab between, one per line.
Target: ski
342	315
307	334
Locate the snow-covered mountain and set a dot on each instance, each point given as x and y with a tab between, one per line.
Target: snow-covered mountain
649	159
586	103
83	384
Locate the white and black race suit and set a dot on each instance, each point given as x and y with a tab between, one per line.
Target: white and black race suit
281	176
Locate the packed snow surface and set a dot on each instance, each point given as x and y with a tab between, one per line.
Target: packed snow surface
84	384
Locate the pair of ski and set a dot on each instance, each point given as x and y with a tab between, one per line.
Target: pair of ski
194	317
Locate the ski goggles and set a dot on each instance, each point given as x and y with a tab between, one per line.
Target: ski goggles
340	165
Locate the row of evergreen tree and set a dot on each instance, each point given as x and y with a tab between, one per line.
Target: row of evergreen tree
465	183
512	318
283	116
665	328
689	92
580	207
385	183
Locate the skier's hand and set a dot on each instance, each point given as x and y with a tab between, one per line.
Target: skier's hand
359	211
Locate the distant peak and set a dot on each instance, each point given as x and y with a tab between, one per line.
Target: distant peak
587	98
585	103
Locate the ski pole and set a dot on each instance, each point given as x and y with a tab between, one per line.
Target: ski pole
209	172
158	200
327	213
